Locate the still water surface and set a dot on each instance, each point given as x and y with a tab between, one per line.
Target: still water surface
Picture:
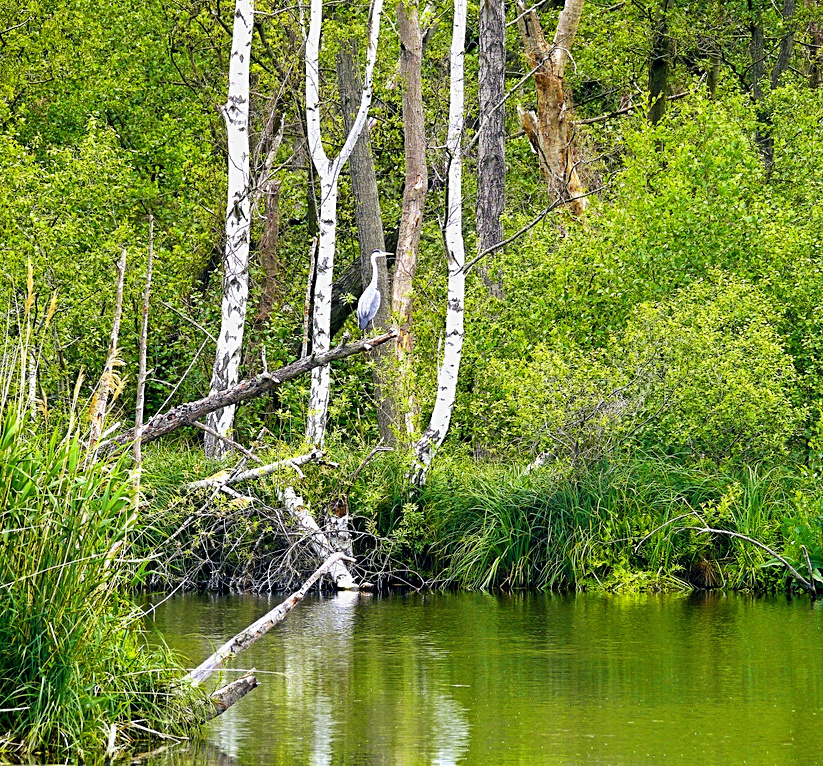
524	679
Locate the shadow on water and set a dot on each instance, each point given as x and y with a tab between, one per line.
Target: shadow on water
515	679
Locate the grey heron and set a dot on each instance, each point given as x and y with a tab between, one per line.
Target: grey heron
370	299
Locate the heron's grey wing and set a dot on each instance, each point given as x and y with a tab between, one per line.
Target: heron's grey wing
367	307
363	308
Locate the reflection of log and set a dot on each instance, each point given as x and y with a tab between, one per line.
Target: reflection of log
247	637
183	414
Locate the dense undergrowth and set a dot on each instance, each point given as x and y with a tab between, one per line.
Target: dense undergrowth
625	523
77	677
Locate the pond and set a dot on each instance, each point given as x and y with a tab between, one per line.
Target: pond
517	679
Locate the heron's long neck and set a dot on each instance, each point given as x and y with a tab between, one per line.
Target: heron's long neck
374	270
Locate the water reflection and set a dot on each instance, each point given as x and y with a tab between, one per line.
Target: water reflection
479	679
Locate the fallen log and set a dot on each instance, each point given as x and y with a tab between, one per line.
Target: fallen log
256	630
322	547
185	414
225	478
227	695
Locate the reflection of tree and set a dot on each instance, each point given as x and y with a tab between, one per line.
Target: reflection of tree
194	753
450	730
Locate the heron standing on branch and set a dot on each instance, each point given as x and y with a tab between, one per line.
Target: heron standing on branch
369	301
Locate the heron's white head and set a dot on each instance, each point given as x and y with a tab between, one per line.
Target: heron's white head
379	254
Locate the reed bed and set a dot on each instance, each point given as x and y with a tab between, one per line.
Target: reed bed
78	680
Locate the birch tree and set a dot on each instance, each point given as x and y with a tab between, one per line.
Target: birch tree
238	222
328	174
438	427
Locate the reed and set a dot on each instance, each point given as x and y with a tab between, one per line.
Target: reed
77	677
615	525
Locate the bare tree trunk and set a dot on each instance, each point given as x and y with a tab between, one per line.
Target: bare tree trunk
763	136
659	64
491	153
238	223
447	376
328	172
99	402
141	366
784	54
369	226
257	629
414	200
551	131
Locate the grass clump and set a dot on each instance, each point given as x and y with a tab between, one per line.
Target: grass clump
76	675
629	523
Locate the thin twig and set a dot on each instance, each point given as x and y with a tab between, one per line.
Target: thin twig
248	453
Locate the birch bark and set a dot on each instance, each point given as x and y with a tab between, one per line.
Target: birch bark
238	222
433	436
328	172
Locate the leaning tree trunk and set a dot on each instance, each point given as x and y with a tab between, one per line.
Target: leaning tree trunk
238	223
434	435
328	172
414	200
491	154
369	229
551	130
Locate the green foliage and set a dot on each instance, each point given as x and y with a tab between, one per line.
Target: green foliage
73	659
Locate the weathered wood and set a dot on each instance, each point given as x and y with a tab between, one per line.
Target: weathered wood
320	543
258	629
256	473
99	402
551	130
187	413
226	696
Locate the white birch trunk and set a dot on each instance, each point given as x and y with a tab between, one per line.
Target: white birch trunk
433	436
328	172
238	222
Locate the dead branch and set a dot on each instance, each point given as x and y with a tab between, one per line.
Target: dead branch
226	696
97	409
257	473
248	453
186	414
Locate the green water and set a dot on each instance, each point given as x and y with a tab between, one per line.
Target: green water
525	679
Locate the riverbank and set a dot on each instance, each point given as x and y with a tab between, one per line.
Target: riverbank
630	523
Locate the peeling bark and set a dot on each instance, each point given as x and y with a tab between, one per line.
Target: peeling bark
438	427
328	172
551	129
238	225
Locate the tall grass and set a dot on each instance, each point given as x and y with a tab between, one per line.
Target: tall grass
76	676
623	524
